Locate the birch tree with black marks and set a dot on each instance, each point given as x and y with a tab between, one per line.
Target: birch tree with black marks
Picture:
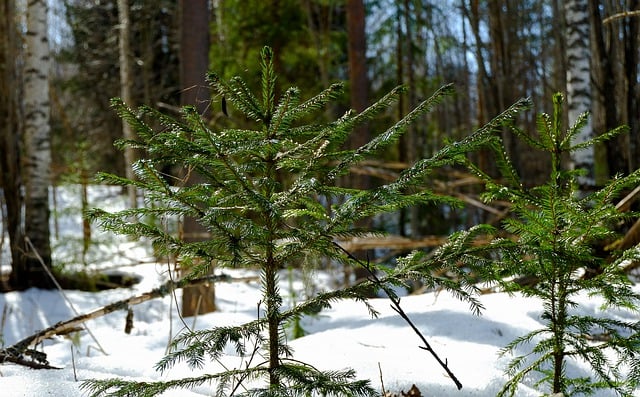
579	83
37	145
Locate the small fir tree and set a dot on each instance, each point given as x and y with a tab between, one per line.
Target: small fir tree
261	200
555	229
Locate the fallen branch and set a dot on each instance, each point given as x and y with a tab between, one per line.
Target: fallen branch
394	242
37	360
20	351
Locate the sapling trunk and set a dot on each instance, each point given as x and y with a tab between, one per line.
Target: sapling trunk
273	316
558	324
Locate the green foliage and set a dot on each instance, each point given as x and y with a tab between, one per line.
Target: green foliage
556	229
262	198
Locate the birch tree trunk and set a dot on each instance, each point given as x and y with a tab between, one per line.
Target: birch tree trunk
579	82
37	143
125	92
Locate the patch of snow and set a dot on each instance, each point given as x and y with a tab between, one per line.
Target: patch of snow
344	336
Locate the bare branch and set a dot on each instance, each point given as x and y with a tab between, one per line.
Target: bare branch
17	352
624	14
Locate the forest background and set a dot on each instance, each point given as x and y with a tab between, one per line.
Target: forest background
157	53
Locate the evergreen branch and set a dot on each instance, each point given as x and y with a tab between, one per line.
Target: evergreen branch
542	122
315	135
452	152
121	388
237	93
280	124
566	143
599	139
268	85
315	103
137	124
209	342
349	121
305	379
323	301
546	132
393	133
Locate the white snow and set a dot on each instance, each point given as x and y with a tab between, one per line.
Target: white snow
343	336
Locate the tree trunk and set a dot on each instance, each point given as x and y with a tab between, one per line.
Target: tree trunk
37	142
579	83
483	80
194	62
126	81
9	144
605	104
359	96
358	80
631	74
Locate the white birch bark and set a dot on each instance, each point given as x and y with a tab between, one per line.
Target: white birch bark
579	82
37	140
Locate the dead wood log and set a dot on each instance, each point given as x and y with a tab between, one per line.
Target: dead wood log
394	242
20	353
39	362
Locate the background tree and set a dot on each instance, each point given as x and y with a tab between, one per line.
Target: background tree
37	144
579	83
311	36
88	78
126	82
615	95
10	167
494	52
194	63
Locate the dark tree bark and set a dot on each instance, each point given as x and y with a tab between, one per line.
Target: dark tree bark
194	54
9	145
359	92
358	80
194	62
631	72
604	93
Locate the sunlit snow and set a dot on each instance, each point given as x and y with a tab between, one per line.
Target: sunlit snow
344	336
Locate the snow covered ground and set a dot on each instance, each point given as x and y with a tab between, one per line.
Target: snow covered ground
344	336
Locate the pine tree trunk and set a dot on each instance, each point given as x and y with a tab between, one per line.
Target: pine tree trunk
605	108
126	78
579	82
194	62
37	142
359	92
482	78
359	82
631	43
9	146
